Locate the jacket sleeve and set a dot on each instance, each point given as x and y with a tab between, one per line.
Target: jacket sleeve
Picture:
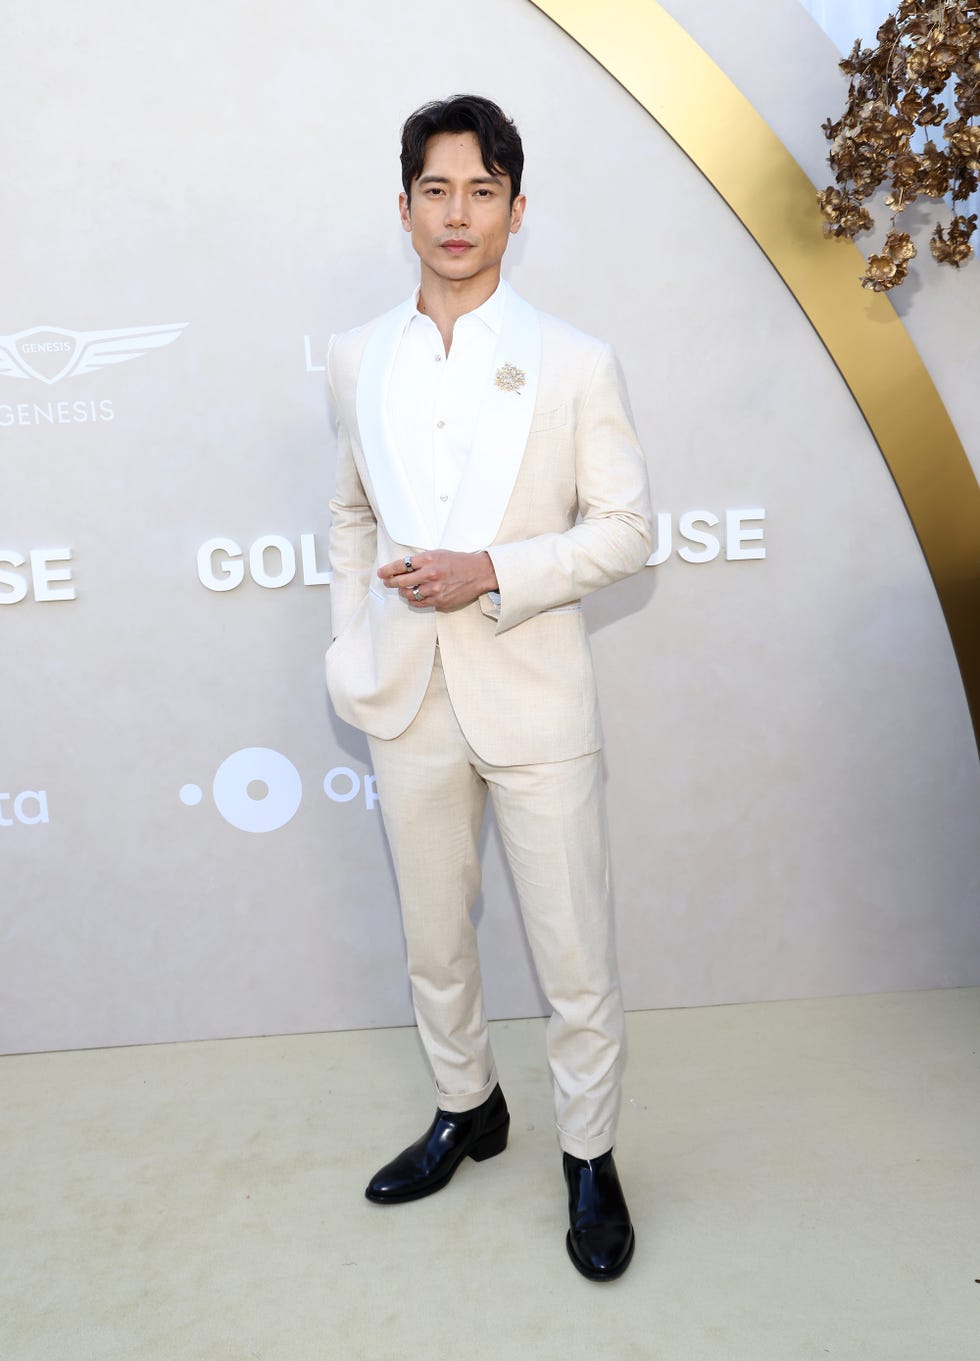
613	537
353	527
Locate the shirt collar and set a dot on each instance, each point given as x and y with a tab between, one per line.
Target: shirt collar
491	312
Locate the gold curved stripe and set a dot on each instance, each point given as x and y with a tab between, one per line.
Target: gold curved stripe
675	80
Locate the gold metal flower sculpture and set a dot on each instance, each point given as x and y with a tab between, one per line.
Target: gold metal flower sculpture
926	51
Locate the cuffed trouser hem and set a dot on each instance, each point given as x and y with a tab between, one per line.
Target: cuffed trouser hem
469	1102
592	1147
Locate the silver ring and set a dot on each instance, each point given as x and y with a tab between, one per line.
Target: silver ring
408	563
417	593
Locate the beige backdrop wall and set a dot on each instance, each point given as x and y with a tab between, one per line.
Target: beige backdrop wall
190	845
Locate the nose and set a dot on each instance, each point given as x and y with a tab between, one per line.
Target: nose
456	212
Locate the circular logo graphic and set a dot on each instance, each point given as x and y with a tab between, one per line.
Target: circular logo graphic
257	789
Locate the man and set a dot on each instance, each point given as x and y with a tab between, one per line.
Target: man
488	478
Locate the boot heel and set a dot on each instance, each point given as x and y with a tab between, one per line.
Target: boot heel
491	1143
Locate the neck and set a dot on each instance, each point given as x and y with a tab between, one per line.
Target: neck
445	300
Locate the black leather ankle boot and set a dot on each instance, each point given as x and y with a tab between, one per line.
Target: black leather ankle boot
428	1164
600	1238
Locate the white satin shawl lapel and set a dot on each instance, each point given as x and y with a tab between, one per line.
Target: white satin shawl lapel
502	430
400	512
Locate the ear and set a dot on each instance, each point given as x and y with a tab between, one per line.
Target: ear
517	213
405	212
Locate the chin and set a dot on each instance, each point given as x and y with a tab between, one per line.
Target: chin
459	272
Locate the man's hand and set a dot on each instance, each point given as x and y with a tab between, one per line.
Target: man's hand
441	580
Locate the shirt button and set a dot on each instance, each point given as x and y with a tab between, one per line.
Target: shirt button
443	498
438	358
440	424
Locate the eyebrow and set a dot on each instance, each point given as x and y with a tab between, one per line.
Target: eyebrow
444	179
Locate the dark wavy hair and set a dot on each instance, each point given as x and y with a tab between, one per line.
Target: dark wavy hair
500	142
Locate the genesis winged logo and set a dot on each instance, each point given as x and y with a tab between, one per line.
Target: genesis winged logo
51	353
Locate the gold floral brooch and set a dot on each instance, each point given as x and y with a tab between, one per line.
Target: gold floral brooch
509	378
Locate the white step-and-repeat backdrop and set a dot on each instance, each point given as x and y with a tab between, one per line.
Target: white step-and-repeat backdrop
190	844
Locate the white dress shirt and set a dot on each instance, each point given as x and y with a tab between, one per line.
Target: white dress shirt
434	402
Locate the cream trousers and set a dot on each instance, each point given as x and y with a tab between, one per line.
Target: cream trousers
433	787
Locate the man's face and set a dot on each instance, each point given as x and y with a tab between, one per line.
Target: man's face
460	216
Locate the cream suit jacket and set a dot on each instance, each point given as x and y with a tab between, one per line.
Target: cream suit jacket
555	489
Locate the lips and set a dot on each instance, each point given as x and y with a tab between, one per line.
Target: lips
456	247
